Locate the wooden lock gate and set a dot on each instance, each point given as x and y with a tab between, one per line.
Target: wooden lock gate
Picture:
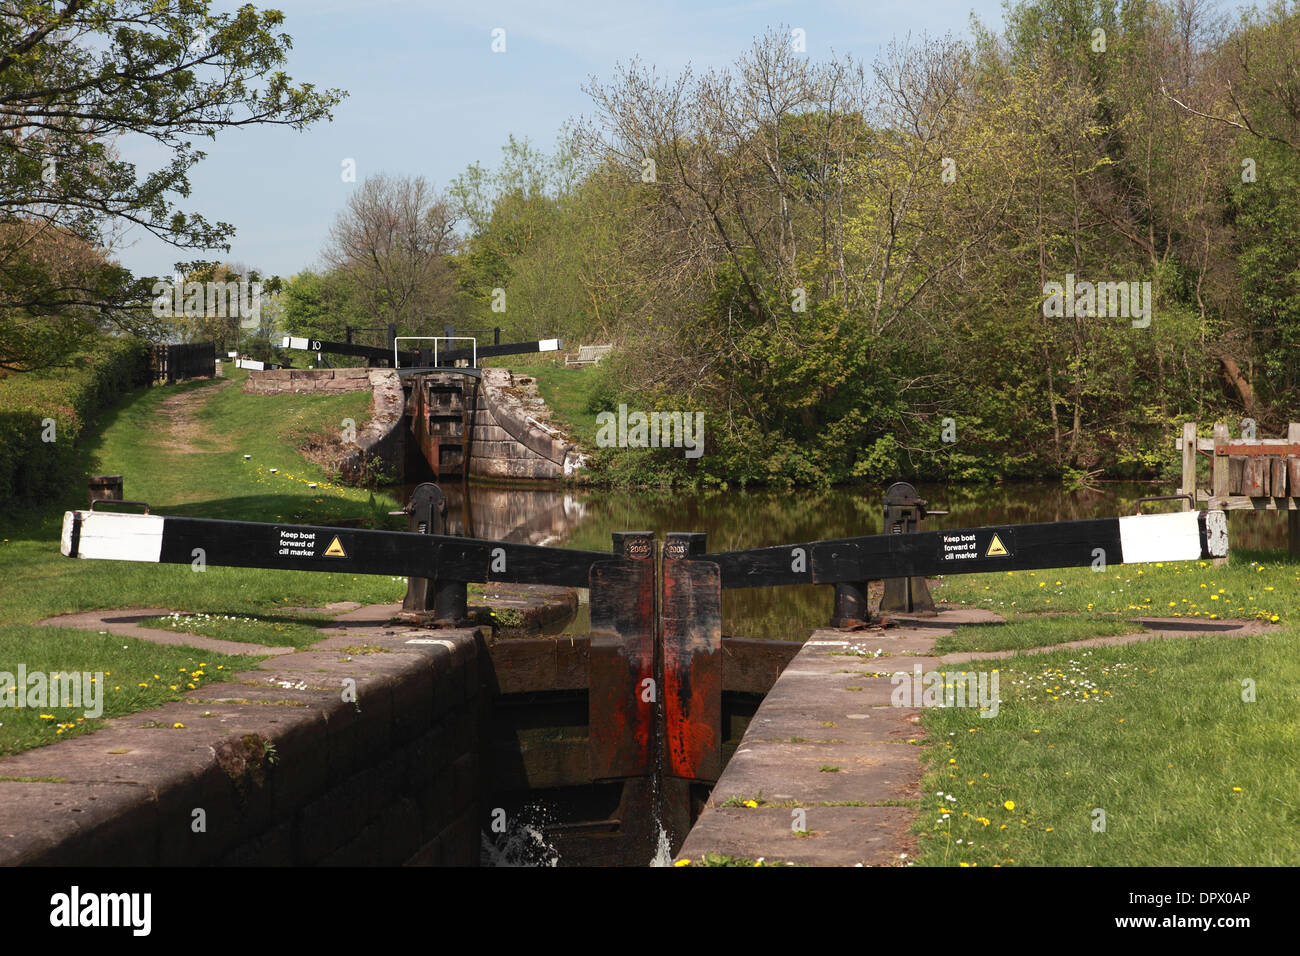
655	658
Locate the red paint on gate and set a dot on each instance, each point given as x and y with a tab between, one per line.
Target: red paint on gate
692	653
621	661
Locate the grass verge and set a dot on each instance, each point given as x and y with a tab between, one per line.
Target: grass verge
131	675
1163	753
181	448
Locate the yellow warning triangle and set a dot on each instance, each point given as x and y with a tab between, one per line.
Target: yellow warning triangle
335	550
996	548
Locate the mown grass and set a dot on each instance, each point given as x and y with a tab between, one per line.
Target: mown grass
1258	585
137	675
1186	772
214	479
1162	737
205	475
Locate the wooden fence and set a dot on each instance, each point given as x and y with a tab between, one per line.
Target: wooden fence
171	363
1257	474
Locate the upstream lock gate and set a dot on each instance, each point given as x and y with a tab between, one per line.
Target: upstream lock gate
654	667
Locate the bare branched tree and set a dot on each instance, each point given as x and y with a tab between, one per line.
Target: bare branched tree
393	241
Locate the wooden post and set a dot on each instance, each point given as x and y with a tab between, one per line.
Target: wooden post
850	609
1278	487
1219	492
1189	464
691	626
624	692
1219	475
1255	476
105	487
1293	516
1236	474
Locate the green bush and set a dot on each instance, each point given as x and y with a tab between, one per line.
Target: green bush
57	404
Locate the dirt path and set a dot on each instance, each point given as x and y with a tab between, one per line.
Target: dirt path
1155	629
125	623
349	617
180	425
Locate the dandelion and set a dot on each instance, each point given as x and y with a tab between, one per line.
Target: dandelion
1009	804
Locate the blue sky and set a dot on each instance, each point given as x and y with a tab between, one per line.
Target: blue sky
428	96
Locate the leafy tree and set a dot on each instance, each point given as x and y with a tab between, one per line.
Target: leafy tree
321	305
72	78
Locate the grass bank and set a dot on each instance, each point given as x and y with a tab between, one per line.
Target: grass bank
182	448
1165	753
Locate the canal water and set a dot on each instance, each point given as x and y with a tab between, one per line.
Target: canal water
585	518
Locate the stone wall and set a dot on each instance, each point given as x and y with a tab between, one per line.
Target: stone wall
509	438
282	381
282	768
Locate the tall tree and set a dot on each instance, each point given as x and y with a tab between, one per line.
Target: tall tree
393	242
74	76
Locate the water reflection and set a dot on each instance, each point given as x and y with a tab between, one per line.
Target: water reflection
585	518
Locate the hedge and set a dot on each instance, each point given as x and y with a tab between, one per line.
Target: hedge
32	467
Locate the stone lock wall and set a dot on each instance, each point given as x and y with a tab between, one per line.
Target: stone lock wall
510	441
283	769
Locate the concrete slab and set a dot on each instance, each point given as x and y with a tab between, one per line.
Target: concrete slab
879	724
835	836
40	819
867	773
948	615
